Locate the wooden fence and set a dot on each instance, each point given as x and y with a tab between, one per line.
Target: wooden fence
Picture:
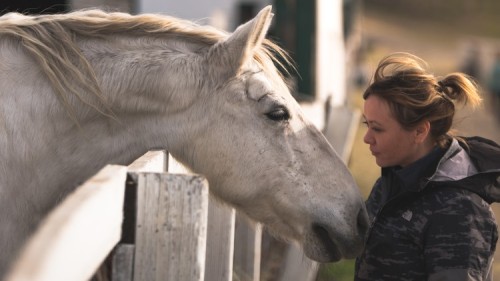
151	224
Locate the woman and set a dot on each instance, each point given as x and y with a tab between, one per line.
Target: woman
430	212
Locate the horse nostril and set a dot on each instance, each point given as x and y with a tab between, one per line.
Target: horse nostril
322	233
319	230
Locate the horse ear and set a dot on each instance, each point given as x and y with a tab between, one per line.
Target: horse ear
239	47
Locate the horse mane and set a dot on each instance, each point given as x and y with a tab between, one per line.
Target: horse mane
51	41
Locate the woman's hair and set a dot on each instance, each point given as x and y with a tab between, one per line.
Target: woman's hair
414	95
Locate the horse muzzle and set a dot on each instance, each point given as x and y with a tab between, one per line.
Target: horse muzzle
328	243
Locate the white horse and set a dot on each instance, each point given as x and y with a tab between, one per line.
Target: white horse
88	88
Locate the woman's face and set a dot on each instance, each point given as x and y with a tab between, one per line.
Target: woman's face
389	142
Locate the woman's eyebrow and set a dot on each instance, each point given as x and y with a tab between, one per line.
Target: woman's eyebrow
371	121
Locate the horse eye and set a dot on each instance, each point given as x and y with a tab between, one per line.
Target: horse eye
279	114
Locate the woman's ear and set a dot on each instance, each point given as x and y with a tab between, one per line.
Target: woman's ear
422	131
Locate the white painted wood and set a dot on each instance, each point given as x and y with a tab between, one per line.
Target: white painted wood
78	234
247	249
171	227
220	233
298	267
341	129
176	167
330	58
151	161
220	242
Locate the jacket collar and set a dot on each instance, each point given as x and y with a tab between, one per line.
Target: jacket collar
456	164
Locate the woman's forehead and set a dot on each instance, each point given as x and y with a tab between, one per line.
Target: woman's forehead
376	107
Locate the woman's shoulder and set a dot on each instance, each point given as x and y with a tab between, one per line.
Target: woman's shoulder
450	199
471	167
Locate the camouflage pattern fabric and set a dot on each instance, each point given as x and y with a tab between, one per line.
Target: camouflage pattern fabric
434	222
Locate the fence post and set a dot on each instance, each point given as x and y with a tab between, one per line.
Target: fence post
122	262
220	234
171	227
123	255
247	249
220	242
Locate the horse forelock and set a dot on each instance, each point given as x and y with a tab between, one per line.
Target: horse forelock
51	41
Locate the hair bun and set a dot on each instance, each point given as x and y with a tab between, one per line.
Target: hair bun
441	87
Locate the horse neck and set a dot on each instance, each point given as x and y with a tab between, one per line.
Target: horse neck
45	154
147	91
149	80
145	74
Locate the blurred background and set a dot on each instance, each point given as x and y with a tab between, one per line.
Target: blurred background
454	35
336	45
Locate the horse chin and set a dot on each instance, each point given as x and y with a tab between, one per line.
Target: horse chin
319	246
319	255
316	245
321	249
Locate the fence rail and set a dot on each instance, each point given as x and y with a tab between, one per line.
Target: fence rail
78	235
163	235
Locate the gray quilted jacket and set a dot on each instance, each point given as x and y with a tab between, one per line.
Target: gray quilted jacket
432	220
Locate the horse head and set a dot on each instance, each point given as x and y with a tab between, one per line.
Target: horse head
260	154
215	101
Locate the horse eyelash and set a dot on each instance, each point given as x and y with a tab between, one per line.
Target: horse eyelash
285	116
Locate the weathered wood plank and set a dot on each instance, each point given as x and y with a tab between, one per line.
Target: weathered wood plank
220	233
247	249
122	263
78	234
171	227
220	242
151	161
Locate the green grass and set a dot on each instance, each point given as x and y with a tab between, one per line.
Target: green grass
340	271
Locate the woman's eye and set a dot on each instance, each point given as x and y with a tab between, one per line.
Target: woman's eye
279	114
373	128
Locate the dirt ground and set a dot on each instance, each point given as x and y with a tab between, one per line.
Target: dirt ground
444	51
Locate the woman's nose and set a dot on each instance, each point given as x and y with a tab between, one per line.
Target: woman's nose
368	138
